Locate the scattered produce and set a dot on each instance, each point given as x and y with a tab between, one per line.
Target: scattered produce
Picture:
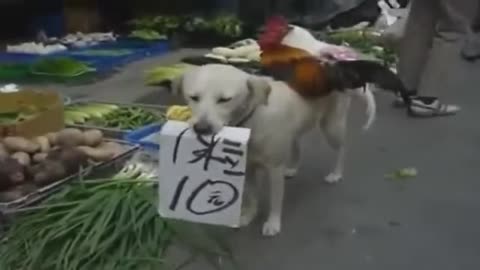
242	51
147	34
402	174
163	73
227	25
35	48
46	159
61	67
111	116
179	113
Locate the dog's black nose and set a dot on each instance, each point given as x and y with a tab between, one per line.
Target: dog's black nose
203	128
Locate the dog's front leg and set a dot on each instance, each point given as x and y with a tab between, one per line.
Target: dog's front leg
275	175
291	170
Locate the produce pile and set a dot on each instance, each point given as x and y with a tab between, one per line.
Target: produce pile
162	27
239	52
28	164
106	224
61	67
113	116
366	41
160	74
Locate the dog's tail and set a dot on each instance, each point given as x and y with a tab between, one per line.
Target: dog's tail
371	106
343	75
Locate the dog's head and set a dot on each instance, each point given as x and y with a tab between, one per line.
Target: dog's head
219	95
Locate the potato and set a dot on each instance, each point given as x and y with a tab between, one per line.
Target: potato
70	137
22	158
17	192
97	154
52	138
92	137
44	143
39	157
20	144
11	173
71	157
3	151
48	172
116	148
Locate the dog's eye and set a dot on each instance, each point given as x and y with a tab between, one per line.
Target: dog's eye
195	98
223	100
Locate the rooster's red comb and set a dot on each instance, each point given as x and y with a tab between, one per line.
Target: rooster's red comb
275	29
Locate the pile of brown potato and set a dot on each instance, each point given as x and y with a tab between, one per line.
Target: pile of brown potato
27	164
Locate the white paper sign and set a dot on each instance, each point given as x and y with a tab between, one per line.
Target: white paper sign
202	177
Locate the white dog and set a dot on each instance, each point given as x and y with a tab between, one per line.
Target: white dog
222	95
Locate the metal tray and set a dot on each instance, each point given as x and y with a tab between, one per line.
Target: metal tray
114	132
44	192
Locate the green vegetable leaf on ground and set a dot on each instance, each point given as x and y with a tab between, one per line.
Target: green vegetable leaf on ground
402	174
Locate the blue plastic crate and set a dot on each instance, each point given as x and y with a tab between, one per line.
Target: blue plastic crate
139	136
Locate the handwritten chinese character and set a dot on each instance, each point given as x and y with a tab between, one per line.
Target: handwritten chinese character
205	154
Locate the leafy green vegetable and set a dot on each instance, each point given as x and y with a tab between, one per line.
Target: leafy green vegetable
366	42
163	73
61	66
128	118
101	224
113	52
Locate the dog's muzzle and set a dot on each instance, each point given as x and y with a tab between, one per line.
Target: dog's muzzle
203	128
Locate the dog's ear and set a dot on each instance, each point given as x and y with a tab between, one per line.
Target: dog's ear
260	89
174	86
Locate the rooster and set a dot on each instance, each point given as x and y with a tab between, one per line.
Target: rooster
314	68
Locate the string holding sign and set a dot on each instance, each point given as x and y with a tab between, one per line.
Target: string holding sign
202	177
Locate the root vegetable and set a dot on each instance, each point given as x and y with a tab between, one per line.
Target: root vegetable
92	137
58	164
97	154
22	158
70	137
20	144
116	148
52	138
39	157
3	152
49	171
11	173
16	193
44	143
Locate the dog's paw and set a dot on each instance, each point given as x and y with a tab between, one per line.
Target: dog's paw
271	227
290	172
333	178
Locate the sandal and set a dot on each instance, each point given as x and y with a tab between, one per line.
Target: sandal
431	107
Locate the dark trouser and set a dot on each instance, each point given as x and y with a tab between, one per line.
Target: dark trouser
431	23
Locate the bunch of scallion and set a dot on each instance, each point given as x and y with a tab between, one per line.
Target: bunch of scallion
104	225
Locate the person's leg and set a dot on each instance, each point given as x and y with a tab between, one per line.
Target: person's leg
416	42
453	26
471	48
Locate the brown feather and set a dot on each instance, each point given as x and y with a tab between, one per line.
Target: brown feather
298	68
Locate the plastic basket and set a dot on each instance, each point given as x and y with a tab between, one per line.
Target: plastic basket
140	136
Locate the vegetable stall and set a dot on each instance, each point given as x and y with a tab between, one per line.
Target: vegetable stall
74	196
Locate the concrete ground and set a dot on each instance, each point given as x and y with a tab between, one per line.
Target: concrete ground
366	222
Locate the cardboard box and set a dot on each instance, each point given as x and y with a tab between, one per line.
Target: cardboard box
48	120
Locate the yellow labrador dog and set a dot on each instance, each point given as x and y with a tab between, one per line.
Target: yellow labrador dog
222	95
